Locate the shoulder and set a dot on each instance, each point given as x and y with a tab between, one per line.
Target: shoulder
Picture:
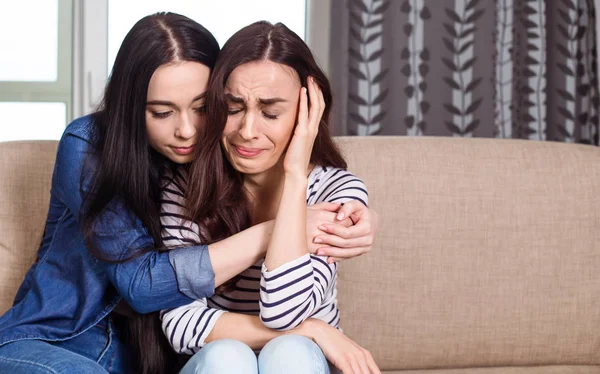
83	128
326	183
76	144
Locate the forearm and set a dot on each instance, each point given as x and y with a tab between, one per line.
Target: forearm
245	328
149	283
231	256
288	241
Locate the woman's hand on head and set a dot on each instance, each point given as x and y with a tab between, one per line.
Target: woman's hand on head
297	156
339	349
350	234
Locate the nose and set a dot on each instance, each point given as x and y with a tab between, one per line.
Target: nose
248	129
186	128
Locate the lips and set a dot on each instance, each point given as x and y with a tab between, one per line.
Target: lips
184	151
248	152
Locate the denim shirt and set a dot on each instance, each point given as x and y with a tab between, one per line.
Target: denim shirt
68	290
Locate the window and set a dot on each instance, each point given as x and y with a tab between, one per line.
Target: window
35	68
57	71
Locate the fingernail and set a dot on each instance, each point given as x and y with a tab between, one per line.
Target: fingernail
319	253
323	228
340	216
318	240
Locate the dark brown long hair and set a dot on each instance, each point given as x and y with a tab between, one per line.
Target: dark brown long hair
128	169
216	198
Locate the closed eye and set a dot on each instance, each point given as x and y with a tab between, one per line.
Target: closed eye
161	114
269	116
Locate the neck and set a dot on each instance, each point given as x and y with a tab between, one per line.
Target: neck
266	181
264	191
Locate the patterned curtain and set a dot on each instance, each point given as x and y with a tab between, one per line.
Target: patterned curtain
473	68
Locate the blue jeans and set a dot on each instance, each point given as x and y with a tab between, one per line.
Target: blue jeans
99	350
290	354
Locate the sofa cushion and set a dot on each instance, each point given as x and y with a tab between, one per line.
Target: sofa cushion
25	175
488	253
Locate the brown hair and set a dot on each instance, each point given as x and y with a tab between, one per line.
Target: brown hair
216	197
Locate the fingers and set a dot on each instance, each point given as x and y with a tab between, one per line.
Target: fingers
345	368
355	366
342	253
352	207
362	362
328	218
336	241
317	103
346	232
329	207
322	100
303	110
371	363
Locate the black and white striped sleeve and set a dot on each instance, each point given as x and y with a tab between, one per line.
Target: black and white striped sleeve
188	326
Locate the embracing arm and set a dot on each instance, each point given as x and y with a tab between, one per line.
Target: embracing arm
152	280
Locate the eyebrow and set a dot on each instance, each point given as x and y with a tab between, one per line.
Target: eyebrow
265	102
169	103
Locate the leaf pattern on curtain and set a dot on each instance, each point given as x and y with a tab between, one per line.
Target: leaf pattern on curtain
506	68
365	55
461	27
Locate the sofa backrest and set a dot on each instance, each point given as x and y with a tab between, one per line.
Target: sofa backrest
488	253
25	175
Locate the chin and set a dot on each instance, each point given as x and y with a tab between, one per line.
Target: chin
245	167
181	159
247	170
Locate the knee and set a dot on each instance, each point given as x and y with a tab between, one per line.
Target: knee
222	356
292	354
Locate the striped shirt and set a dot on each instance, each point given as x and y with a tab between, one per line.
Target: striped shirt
283	297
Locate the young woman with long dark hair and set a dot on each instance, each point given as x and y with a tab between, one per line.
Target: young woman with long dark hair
266	155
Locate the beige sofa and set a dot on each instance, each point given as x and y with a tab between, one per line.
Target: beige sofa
487	261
